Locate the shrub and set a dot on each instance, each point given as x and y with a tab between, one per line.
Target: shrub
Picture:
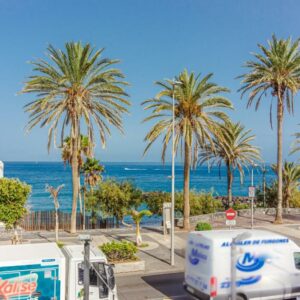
203	226
295	199
200	203
239	205
119	251
13	197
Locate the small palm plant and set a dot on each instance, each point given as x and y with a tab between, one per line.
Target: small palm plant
137	218
54	194
233	147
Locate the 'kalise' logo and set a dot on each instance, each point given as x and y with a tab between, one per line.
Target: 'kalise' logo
18	286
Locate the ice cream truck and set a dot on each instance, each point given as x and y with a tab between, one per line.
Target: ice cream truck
45	272
266	265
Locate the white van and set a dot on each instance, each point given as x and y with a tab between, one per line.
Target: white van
267	265
43	271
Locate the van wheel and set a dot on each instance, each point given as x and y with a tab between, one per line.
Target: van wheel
241	297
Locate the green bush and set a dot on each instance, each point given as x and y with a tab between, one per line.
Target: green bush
295	199
200	203
119	251
13	198
238	205
203	226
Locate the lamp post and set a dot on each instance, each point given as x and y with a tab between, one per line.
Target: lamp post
264	171
253	165
172	258
240	237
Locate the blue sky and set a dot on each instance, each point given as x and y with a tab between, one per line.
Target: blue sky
154	40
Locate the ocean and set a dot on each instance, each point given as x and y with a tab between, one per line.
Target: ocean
146	176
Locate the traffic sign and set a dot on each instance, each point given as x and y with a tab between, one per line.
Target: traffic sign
230	222
251	191
230	214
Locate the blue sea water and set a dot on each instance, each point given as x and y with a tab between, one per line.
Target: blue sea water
147	176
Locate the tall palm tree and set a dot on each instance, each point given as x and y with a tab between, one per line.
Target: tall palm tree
276	70
233	148
198	106
291	180
76	86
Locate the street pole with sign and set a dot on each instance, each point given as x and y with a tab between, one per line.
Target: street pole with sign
230	215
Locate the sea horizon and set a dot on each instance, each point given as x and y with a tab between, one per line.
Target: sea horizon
144	175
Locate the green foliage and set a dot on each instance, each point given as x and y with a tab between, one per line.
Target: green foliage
295	199
115	198
119	251
200	203
143	245
92	170
239	205
60	244
155	200
203	226
138	215
13	197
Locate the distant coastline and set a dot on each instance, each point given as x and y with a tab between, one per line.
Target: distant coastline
147	176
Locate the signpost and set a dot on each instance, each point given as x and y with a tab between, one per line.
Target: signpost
230	217
251	194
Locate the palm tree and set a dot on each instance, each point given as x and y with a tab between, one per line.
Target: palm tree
54	194
92	170
137	218
291	180
233	148
276	70
198	106
74	87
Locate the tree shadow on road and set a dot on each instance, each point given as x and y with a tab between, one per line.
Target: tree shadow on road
169	285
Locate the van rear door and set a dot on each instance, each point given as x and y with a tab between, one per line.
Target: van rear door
198	274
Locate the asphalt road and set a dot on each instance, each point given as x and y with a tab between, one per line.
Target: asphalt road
158	286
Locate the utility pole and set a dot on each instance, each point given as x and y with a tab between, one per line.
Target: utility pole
172	258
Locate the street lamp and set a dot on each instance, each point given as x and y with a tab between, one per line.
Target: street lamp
172	258
238	238
264	171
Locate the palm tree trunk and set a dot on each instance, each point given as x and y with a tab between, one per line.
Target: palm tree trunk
74	173
56	225
186	187
80	200
139	240
229	184
278	217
